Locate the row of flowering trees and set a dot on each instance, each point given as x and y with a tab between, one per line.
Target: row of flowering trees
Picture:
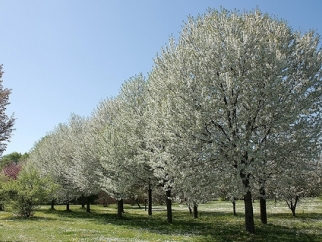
232	107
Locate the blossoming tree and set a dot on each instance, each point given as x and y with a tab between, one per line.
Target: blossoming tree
253	82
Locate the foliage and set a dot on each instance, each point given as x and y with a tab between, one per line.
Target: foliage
122	143
51	156
11	170
15	157
6	123
293	184
28	191
10	167
228	109
239	91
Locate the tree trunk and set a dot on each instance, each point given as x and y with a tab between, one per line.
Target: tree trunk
138	203
234	207
292	205
67	206
52	204
295	203
293	211
88	204
83	201
195	211
150	201
169	206
248	203
249	213
119	208
122	206
263	211
262	202
67	203
190	210
1	207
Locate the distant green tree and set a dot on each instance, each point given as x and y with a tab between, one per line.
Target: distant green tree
28	191
10	166
15	157
6	123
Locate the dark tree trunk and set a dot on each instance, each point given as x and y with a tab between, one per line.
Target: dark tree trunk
52	204
263	211
262	202
248	203
88	204
293	211
195	211
249	213
296	200
83	201
150	201
234	207
119	208
292	205
1	207
190	210
169	206
67	203
138	203
67	206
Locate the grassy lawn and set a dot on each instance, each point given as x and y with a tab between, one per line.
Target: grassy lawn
215	223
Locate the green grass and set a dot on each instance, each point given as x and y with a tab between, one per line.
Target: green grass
215	223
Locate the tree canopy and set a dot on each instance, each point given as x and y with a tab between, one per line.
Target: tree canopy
6	122
246	89
227	108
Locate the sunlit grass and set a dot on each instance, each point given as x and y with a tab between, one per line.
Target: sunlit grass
215	223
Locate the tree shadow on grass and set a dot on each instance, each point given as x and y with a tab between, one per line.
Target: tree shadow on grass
14	217
273	232
216	226
299	215
210	226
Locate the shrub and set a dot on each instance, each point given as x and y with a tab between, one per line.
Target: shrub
28	191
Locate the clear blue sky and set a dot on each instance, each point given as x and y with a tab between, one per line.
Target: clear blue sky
65	56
